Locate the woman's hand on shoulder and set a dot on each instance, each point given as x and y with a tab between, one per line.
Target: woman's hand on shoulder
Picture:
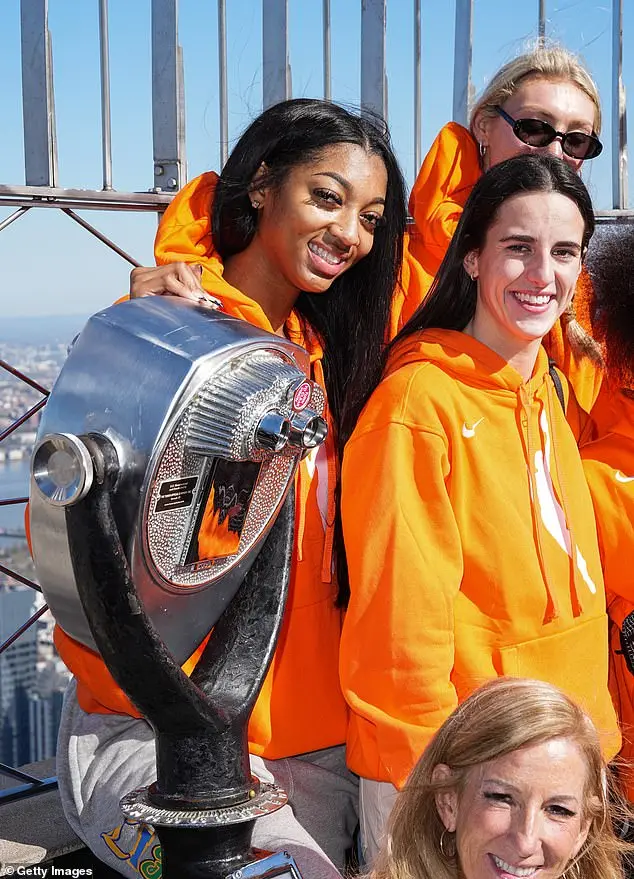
175	279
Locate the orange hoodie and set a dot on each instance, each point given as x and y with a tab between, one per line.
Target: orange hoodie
472	549
300	707
450	171
609	467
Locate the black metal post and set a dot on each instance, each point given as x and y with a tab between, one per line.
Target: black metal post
200	722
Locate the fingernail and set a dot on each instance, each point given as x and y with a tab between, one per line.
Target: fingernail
209	301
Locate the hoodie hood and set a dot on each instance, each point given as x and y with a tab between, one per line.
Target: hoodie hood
465	359
184	235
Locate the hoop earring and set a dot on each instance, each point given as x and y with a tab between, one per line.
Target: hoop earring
448	855
483	149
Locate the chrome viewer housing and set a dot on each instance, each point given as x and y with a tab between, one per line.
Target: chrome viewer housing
209	418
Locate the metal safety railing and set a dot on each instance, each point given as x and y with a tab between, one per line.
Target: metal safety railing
168	105
41	189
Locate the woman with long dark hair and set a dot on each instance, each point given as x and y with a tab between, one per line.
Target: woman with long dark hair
469	527
301	234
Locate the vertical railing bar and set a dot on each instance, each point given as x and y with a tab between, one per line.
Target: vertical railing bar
106	137
180	117
327	65
38	111
167	98
275	63
541	23
619	119
417	87
373	90
463	51
222	81
51	104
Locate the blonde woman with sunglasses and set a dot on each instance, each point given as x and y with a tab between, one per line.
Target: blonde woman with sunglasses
542	102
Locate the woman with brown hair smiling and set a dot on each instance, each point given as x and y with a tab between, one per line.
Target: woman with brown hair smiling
512	786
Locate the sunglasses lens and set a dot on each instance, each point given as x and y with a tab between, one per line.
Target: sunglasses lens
534	132
581	146
576	144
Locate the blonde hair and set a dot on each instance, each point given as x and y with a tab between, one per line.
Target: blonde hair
551	62
500	717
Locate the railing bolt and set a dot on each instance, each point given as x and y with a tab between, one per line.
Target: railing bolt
158	170
171	183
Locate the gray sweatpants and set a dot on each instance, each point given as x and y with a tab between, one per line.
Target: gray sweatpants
102	757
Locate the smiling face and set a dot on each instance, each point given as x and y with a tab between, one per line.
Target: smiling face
560	103
322	219
521	815
526	272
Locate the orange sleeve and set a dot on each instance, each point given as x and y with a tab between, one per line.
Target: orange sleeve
609	468
446	178
405	562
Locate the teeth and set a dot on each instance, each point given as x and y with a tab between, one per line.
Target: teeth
514	871
533	298
326	255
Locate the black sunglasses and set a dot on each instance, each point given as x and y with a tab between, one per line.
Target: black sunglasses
537	133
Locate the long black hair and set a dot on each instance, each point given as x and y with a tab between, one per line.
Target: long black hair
352	316
451	302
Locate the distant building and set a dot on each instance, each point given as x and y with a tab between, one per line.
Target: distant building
44	717
18	667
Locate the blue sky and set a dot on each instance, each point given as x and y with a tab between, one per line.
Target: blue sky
50	265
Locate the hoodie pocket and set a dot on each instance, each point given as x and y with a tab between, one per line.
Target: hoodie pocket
576	661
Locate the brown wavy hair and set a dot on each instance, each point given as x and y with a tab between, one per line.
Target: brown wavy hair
502	716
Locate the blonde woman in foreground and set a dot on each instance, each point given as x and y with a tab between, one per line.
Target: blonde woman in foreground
512	786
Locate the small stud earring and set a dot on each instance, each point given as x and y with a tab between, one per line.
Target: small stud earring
255	205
